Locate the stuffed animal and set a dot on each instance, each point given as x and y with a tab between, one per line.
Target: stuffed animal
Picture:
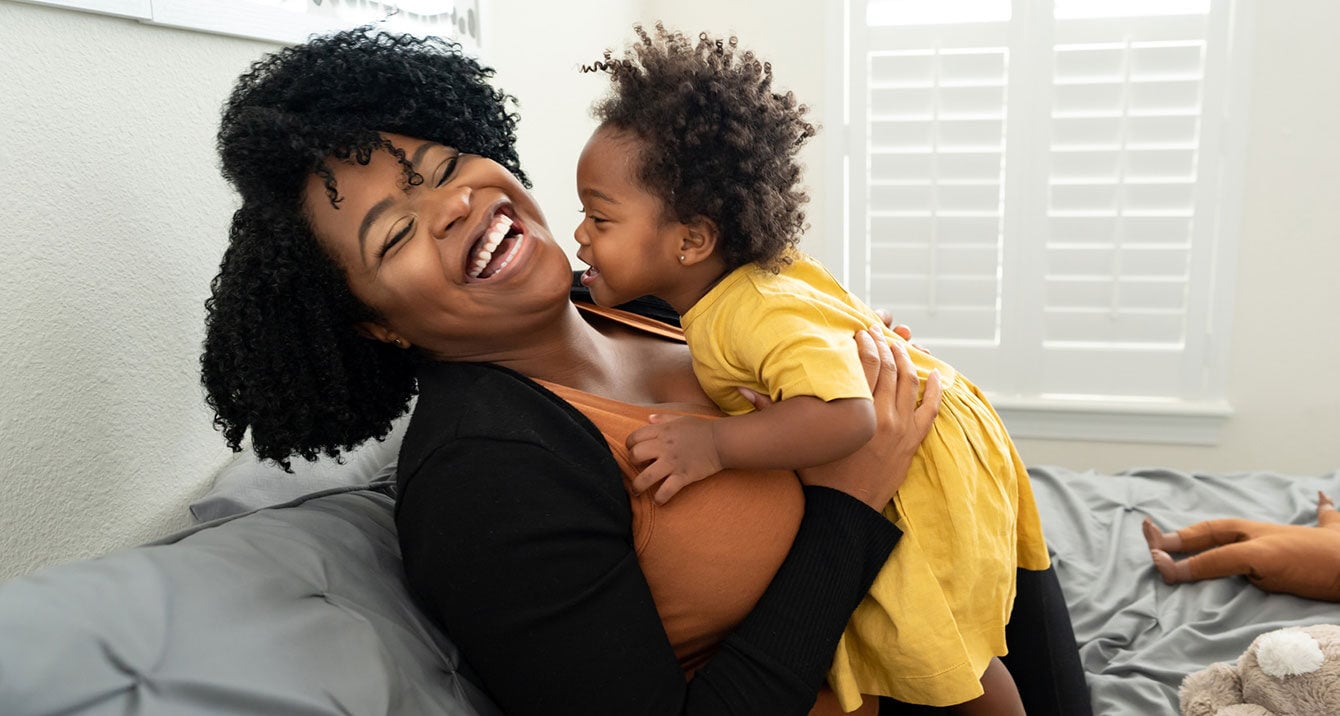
1293	559
1286	672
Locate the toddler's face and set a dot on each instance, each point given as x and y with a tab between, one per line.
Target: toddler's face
630	244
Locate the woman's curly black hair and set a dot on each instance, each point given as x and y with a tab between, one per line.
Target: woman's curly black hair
719	142
282	355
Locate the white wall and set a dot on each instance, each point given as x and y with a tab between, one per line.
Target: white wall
538	49
114	220
1285	354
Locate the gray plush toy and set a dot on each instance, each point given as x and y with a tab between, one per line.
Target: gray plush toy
1286	672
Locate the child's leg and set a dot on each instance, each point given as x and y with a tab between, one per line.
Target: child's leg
1172	572
1217	534
1001	697
1227	561
1158	539
1230	560
1210	533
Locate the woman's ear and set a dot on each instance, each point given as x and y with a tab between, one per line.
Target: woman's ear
699	240
378	332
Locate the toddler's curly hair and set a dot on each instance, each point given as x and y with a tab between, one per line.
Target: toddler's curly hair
282	356
718	141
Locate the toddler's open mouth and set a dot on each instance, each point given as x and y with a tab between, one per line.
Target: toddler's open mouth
590	275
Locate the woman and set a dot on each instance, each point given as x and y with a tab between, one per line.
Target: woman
386	243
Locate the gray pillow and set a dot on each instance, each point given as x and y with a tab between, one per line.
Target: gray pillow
295	610
246	483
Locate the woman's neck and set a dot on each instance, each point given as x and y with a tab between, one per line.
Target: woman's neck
575	352
604	357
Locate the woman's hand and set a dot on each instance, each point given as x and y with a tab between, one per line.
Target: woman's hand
874	473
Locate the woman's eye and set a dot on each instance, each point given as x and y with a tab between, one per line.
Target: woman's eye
448	168
396	238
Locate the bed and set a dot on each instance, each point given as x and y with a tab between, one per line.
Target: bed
1139	637
288	599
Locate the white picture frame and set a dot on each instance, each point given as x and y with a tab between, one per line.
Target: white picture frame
293	21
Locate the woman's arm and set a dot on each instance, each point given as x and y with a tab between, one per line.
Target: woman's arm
901	423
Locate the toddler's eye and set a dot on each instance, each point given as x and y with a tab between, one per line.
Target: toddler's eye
594	219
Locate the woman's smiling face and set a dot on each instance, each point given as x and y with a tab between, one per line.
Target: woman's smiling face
458	265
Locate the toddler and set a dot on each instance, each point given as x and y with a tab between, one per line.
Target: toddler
689	190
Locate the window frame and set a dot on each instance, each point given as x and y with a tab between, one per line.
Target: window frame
1188	421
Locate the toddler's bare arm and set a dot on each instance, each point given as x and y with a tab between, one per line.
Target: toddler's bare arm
796	433
799	432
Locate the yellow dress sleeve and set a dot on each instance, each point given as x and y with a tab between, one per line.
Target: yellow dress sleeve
798	348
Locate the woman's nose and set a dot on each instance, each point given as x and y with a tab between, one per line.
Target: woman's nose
445	208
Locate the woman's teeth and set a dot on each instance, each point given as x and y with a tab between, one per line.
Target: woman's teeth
492	238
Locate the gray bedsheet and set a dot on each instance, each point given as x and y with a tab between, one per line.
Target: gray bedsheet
302	609
1138	636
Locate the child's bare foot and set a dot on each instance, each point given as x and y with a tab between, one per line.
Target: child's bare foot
1157	539
1327	515
1172	572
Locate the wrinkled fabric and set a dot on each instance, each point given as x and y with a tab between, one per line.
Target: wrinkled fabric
1139	637
936	614
296	611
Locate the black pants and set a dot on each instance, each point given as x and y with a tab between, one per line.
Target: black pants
1043	658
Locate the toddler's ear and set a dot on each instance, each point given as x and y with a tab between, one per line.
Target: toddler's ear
699	239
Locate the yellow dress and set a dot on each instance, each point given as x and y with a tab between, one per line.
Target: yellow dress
936	614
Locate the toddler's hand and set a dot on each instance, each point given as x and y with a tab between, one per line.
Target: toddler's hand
680	450
901	329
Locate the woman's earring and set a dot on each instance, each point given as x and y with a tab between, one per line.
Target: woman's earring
398	343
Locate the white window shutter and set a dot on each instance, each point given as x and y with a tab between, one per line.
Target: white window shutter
1037	194
1124	157
933	141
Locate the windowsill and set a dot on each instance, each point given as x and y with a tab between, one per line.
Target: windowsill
1172	423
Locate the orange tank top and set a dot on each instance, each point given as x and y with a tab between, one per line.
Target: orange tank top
709	553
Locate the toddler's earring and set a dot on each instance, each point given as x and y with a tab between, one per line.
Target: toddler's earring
681	259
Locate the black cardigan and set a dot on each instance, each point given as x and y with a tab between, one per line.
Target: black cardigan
517	537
